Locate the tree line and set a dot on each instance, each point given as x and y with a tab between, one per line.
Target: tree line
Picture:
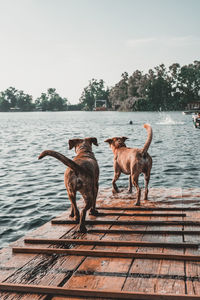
15	100
160	88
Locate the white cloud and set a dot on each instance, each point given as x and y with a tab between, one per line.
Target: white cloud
173	41
182	41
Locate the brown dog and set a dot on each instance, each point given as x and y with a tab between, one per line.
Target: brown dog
81	175
131	161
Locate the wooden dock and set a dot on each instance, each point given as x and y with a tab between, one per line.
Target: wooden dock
147	252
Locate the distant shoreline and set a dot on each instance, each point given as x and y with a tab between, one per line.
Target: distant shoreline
42	111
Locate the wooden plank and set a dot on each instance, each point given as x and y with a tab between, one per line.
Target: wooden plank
160	287
149	267
91	268
192	269
50	270
111	243
8	262
135	222
172	269
112	294
87	275
103	253
151	275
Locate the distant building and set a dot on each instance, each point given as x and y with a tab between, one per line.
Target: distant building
100	104
193	106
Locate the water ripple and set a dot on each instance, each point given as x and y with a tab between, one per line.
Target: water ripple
33	191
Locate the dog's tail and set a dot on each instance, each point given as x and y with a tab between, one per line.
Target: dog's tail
149	138
66	161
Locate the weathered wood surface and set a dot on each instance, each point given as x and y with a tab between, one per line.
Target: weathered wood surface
102	277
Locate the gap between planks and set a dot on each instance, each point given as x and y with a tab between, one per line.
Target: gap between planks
104	214
127	231
149	208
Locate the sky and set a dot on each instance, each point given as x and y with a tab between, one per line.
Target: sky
63	44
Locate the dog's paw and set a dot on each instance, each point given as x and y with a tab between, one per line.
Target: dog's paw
72	214
94	212
81	228
115	191
77	219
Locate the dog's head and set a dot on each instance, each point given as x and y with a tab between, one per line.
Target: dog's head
82	144
116	142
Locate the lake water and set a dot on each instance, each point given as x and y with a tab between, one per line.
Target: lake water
32	191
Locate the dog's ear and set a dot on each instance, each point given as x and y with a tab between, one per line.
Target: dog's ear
124	138
73	143
93	140
109	141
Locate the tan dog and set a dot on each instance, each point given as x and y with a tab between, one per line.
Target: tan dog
82	175
131	161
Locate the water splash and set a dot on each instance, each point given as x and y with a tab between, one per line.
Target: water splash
167	120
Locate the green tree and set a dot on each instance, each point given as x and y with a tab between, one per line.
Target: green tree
42	102
137	85
11	95
119	92
4	104
159	89
14	99
94	91
189	83
51	101
24	101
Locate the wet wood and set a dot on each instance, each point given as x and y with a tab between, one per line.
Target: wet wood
111	243
128	252
103	253
112	294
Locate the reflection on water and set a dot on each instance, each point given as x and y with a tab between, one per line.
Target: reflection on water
32	191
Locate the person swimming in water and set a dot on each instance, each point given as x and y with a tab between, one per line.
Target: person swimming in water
196	119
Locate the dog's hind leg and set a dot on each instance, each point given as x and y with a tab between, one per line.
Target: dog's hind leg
74	208
138	194
130	185
93	210
115	188
81	227
146	179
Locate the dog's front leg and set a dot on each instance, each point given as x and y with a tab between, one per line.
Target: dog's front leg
117	173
